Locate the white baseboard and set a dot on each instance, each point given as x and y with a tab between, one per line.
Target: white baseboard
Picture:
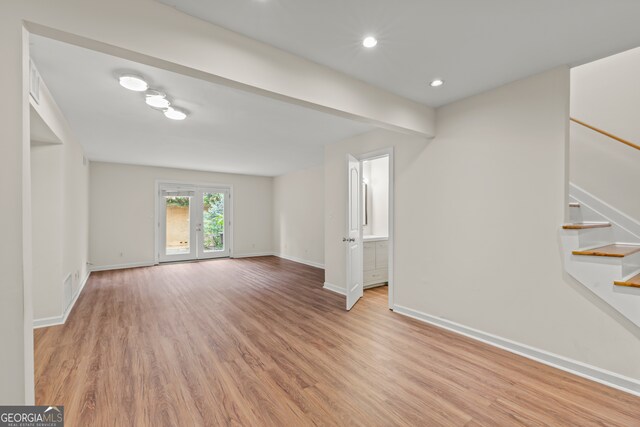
375	285
287	257
333	288
122	266
611	379
60	320
252	255
48	321
300	260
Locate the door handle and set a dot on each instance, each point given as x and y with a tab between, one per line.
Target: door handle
345	239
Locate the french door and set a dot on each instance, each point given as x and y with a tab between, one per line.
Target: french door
193	223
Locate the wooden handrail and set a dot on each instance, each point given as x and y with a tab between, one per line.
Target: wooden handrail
605	133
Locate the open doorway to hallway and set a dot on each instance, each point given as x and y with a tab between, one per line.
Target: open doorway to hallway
369	231
375	225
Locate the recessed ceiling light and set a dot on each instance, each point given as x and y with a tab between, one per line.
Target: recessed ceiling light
157	99
175	114
369	42
132	82
436	83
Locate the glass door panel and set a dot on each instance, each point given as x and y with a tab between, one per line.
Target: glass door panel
213	222
178	233
213	228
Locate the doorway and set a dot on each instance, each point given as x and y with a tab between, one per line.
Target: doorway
193	222
370	226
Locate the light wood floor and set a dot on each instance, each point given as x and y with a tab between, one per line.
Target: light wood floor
257	342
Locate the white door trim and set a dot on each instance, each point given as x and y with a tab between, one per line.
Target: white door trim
157	214
392	247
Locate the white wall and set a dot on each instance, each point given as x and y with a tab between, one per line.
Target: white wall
123	207
60	212
606	94
606	169
298	216
478	211
47	203
376	174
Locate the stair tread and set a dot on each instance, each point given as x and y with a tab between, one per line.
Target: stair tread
634	282
614	250
584	225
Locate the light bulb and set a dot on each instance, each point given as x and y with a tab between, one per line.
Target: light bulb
157	99
174	114
369	42
135	83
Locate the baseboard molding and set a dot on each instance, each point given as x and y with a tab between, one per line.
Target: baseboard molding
60	320
603	208
611	379
376	285
333	288
122	266
300	260
252	255
48	321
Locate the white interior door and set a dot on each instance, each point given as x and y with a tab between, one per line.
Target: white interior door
353	239
193	223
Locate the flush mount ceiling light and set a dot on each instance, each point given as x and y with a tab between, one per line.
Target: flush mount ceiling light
369	42
175	114
156	99
436	83
133	82
152	97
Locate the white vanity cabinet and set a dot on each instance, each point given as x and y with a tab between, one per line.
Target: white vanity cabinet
376	257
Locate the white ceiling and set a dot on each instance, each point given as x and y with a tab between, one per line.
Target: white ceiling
473	45
228	130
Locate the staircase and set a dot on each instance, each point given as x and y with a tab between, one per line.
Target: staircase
601	249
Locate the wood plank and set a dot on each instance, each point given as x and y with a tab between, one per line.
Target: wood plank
634	282
259	342
614	250
585	225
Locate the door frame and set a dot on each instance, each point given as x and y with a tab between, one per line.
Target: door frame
372	155
194	185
